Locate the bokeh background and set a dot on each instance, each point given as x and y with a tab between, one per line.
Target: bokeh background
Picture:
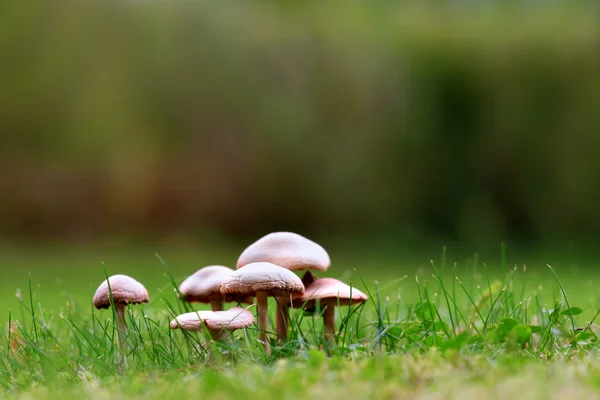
363	125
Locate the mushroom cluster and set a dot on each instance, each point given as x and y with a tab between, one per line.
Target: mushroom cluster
264	269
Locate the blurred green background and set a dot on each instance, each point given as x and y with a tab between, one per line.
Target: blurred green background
381	129
170	118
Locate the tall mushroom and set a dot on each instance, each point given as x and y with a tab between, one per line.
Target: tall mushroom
204	286
125	290
217	322
291	251
262	279
329	293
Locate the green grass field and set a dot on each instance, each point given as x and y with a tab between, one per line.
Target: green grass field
437	325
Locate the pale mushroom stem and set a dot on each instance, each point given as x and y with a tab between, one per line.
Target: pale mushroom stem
329	322
221	335
263	320
122	336
282	320
216	335
216	303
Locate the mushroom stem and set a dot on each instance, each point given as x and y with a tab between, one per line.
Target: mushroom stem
263	320
282	320
212	348
329	321
221	335
216	302
122	335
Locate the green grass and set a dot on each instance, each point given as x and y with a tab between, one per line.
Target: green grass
456	326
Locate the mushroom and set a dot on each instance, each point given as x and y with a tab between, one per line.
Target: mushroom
125	290
204	286
329	293
288	250
262	279
217	322
291	251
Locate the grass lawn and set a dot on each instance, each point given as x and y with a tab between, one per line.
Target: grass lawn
464	326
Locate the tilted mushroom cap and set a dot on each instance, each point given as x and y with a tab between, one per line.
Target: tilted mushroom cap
329	289
232	319
261	277
205	283
288	250
125	290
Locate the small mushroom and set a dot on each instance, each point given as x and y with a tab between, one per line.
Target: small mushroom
125	290
329	293
217	322
204	286
262	279
291	251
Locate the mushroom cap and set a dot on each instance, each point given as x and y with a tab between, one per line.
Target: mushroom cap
125	290
329	289
261	277
206	283
288	250
232	319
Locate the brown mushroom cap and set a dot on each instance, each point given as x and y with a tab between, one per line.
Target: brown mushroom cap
329	289
261	277
288	250
232	319
125	290
206	283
